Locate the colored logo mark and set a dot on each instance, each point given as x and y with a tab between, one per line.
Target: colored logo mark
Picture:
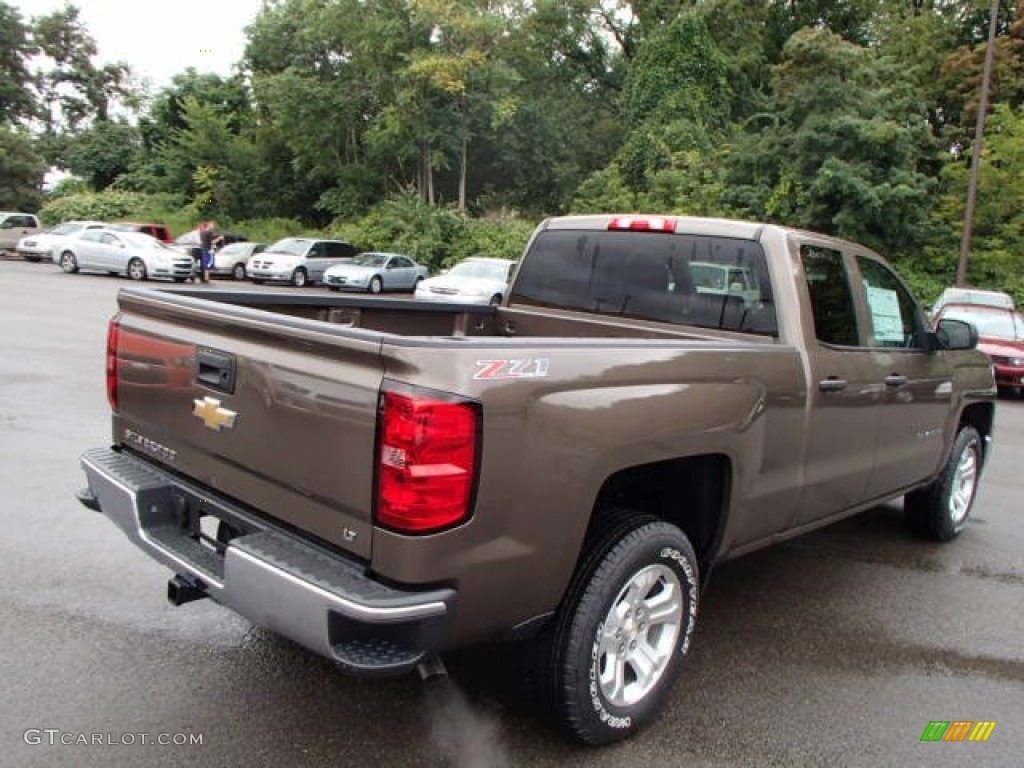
958	730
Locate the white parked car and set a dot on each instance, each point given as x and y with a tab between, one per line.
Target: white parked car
44	245
299	260
124	253
476	280
233	258
375	272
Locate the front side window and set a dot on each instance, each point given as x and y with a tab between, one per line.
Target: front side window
895	316
828	286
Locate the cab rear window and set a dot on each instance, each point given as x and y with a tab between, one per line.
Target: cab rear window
711	282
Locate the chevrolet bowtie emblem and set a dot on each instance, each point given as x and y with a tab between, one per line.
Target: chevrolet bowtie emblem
214	417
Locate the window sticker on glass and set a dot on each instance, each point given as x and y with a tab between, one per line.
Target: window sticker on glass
885	314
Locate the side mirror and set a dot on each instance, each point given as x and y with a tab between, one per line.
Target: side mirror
956	334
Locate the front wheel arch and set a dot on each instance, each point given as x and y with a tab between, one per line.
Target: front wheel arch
940	510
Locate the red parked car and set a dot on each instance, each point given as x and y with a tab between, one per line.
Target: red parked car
1000	336
159	231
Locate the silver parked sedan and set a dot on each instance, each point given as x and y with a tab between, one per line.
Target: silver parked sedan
133	254
375	272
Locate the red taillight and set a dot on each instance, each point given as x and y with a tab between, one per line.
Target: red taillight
427	461
644	223
113	332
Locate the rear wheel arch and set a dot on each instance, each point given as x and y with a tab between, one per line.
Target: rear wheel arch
691	492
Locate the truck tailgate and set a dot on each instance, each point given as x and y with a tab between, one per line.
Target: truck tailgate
275	412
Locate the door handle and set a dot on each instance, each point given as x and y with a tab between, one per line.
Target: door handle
895	380
832	384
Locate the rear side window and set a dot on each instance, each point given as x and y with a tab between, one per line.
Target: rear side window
338	250
711	282
828	285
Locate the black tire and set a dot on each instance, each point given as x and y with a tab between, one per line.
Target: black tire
416	284
376	285
636	561
68	262
495	300
257	282
238	271
940	511
137	269
299	278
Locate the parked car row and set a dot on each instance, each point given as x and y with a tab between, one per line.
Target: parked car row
142	251
48	245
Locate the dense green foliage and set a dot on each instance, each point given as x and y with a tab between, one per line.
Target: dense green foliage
447	128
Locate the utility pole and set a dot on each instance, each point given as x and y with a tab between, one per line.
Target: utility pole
979	141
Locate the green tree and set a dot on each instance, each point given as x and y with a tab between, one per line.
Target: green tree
21	171
841	149
16	101
73	88
997	251
103	152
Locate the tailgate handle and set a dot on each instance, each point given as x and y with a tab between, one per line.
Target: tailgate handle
216	370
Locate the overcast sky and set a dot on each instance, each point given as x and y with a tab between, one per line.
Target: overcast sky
160	38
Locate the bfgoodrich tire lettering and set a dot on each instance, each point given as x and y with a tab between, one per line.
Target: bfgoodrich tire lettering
623	631
940	511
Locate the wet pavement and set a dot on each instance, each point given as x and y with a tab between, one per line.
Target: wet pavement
835	649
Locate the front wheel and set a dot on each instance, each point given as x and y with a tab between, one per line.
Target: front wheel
623	630
495	300
137	269
940	510
238	272
299	278
68	262
376	284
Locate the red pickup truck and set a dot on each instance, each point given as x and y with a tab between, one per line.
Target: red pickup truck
381	480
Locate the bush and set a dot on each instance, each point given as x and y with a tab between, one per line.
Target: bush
434	236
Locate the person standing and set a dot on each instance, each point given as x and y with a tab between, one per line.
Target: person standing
208	240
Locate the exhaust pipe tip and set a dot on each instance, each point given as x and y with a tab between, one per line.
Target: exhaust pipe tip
432	670
183	588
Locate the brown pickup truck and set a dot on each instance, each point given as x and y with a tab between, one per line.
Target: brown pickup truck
381	480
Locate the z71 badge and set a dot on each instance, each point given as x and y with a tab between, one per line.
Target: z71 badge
524	368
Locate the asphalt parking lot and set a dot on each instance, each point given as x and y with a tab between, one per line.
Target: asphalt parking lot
836	649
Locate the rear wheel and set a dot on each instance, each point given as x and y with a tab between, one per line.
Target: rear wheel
137	269
376	284
238	271
623	630
68	262
940	510
299	278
